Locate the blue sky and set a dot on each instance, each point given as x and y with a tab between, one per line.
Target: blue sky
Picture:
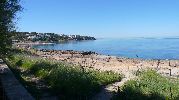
102	18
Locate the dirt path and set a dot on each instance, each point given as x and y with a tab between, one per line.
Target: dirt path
108	91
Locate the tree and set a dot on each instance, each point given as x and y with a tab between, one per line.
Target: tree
8	11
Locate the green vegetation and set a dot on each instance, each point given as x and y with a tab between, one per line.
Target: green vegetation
149	86
67	81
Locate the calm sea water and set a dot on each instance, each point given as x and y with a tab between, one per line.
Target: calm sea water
147	48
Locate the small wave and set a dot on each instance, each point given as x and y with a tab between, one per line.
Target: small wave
172	38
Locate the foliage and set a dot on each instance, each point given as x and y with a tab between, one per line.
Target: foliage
150	86
67	81
8	10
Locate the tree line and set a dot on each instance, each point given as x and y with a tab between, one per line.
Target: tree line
46	37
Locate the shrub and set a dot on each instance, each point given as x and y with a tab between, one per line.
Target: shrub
149	86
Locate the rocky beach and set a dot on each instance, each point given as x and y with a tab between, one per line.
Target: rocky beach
126	66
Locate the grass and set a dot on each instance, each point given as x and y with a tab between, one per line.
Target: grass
149	86
67	81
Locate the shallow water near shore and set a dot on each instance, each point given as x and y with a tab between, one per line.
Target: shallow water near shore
145	48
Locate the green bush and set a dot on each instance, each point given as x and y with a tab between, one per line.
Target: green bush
149	86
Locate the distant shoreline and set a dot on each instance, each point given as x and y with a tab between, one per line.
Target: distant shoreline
32	43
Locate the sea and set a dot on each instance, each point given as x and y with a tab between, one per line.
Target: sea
145	48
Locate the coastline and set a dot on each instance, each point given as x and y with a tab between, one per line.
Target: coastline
87	59
32	43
